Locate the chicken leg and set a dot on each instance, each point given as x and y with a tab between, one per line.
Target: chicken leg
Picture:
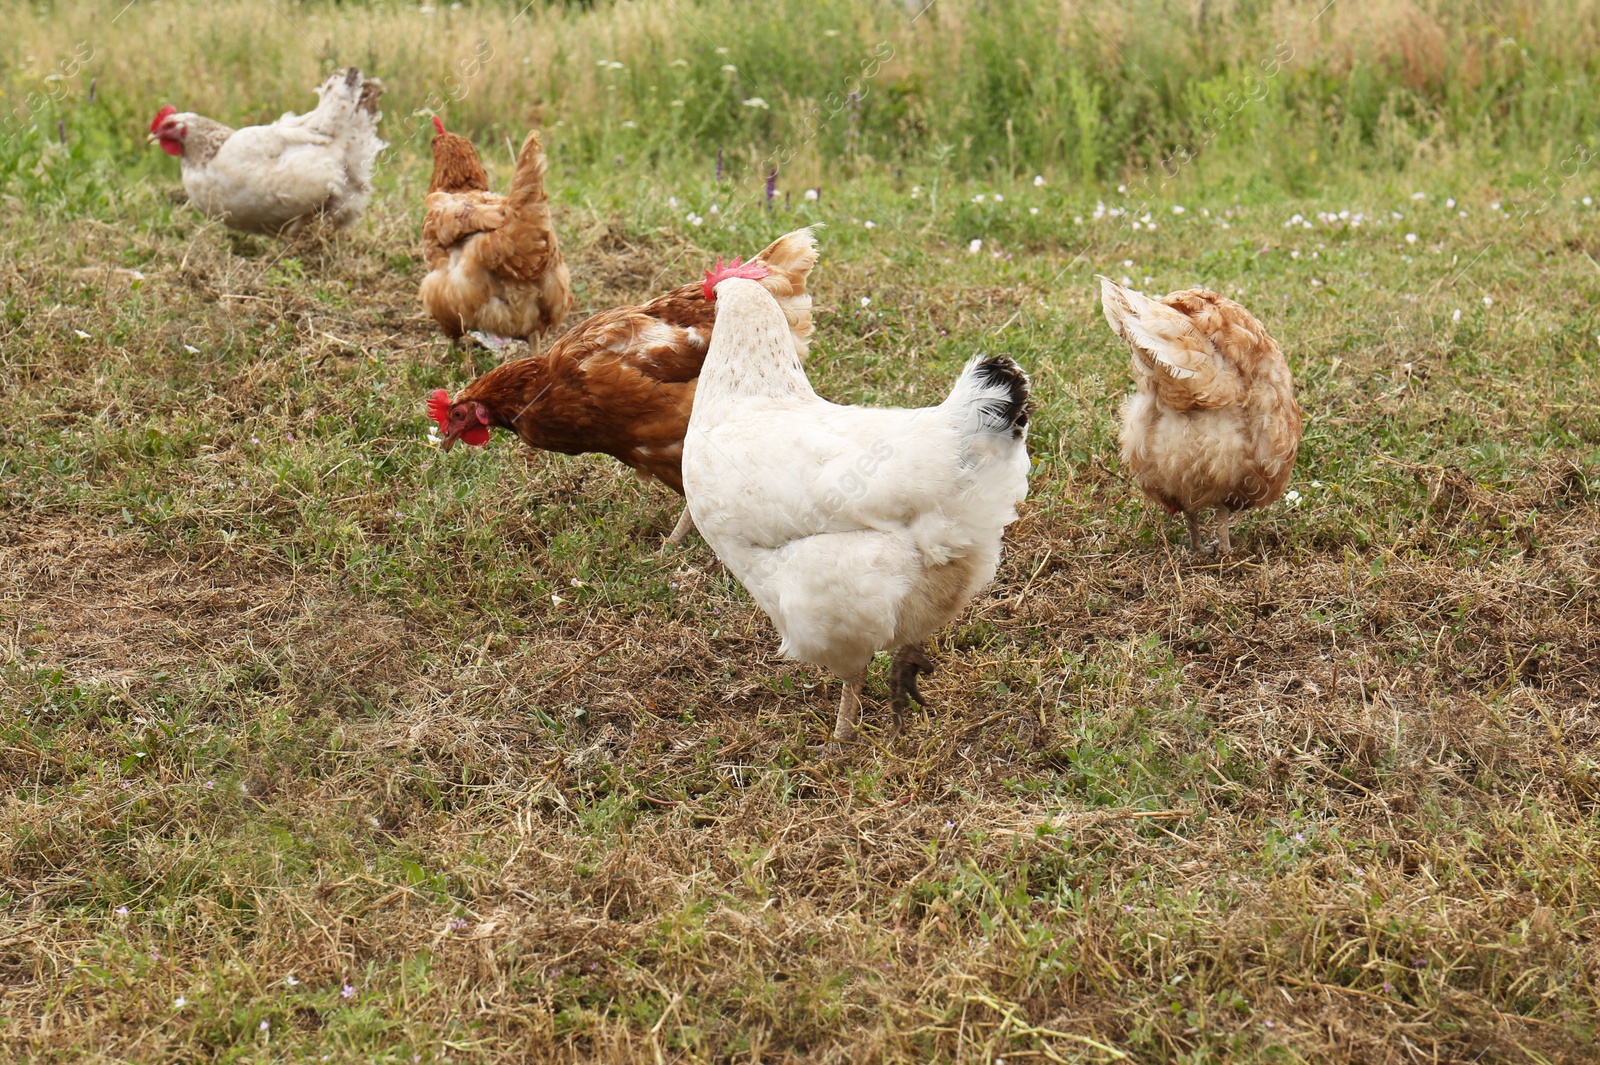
1224	517
680	530
1196	540
844	726
909	662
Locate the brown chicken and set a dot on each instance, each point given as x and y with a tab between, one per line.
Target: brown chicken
494	263
622	382
1214	422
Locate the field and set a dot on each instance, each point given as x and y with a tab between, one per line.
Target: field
319	744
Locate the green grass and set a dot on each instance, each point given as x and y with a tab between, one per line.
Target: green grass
324	708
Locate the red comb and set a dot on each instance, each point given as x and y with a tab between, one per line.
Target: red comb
753	271
438	124
161	116
439	407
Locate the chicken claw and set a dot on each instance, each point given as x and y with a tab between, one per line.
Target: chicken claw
909	662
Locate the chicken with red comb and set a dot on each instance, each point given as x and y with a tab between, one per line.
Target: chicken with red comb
278	177
622	382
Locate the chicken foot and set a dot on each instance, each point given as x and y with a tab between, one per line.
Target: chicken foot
909	663
1197	540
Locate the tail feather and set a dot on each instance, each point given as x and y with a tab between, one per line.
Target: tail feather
790	259
994	397
527	182
1169	351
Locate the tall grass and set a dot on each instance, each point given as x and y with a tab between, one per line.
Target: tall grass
1282	91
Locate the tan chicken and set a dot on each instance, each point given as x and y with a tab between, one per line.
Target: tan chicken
1214	422
494	263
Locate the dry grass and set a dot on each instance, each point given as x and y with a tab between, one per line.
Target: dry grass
325	709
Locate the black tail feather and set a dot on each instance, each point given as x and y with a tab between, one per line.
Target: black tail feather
1013	412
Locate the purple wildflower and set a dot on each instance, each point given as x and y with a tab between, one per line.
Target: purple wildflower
772	186
348	991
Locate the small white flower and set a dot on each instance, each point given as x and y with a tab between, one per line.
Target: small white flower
556	600
179	1002
291	980
729	68
1177	208
978	198
672	201
870	224
1122	189
811	194
1150	225
191	349
602	62
1137	224
678	63
975	247
81	334
715	209
916	192
830	33
1495	206
1419	195
756	101
615	66
1305	225
676	103
1295	254
1127	263
1315	283
1488	301
1035	210
1038	181
999	198
1455	315
866	301
694	219
265	1026
630	124
1588	201
1292	498
1411	238
722	51
1451	202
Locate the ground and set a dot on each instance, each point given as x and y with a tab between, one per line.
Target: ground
322	744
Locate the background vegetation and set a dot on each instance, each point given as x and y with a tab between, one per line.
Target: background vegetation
320	745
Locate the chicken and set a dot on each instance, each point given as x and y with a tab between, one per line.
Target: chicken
277	178
856	529
1214	422
622	382
493	261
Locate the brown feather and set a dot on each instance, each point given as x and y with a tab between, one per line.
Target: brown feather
494	261
1214	421
622	382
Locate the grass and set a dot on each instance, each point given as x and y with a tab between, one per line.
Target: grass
321	744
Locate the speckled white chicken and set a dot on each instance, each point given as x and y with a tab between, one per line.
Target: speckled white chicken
276	178
856	529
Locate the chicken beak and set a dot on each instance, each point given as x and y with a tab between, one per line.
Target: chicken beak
447	443
151	138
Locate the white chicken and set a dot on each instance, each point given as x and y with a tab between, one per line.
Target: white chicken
276	178
856	529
